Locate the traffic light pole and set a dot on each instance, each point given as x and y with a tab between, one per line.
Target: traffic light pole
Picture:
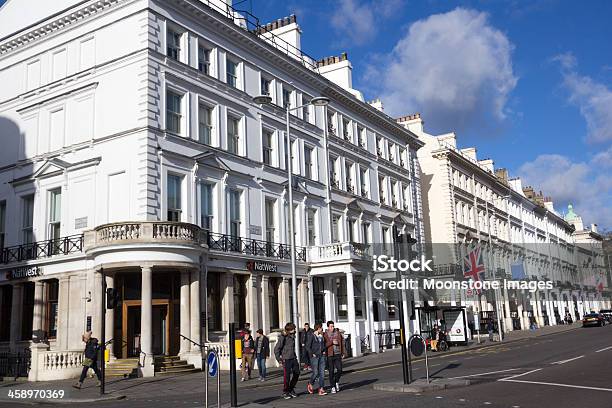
103	332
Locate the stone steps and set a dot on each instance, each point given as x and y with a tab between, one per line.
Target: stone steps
173	365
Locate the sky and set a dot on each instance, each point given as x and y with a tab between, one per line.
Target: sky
528	83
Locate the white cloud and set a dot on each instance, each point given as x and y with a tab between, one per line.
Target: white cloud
603	159
586	185
454	68
357	21
592	98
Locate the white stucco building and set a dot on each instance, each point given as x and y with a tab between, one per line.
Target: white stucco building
132	152
467	201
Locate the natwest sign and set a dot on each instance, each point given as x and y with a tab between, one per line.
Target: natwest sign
24	272
258	266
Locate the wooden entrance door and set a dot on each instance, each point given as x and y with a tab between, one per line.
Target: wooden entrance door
163	342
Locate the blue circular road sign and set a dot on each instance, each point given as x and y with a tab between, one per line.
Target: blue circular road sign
213	364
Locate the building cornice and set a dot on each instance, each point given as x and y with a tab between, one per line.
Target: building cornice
51	24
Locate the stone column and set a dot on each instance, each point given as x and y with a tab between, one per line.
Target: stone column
252	301
303	302
16	313
63	306
37	322
228	301
185	313
285	304
370	325
146	322
352	323
196	326
265	304
110	320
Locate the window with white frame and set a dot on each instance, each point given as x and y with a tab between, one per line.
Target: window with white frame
394	194
351	225
390	151
267	144
27	220
55	214
173	111
270	211
346	129
402	158
359	297
233	134
379	146
286	101
365	187
382	189
173	44
231	73
265	85
361	132
308	162
407	200
333	176
365	233
331	126
205	125
204	59
348	173
335	228
234	213
306	108
174	199
206	206
311	215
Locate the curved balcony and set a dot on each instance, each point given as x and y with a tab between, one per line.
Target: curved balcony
144	232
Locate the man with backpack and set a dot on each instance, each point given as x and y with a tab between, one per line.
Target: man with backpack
284	351
90	360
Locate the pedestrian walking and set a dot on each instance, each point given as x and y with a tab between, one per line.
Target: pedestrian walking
246	329
284	351
490	328
334	345
248	350
304	357
90	359
435	332
315	350
262	352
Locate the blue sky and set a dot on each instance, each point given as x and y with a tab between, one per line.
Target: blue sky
530	85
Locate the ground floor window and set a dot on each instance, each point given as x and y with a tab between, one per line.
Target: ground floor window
27	311
240	300
359	298
51	308
273	286
318	290
342	310
213	289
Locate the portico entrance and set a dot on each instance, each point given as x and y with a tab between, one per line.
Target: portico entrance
165	316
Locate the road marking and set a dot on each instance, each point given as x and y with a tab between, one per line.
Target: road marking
583	387
604	349
567	361
490	372
519	375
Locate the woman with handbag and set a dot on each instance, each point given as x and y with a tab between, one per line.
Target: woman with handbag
90	359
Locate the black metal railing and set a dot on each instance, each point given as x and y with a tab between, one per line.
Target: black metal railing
255	247
15	365
43	249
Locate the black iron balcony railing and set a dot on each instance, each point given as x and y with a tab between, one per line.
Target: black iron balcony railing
43	249
229	243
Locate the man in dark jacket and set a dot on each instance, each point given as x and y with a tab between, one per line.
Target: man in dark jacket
284	351
90	359
262	352
334	344
304	357
315	349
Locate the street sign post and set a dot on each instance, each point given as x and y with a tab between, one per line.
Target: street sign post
417	346
212	370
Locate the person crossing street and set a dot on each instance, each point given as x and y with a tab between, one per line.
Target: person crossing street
284	351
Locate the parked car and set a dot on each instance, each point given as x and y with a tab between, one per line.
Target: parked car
607	314
593	319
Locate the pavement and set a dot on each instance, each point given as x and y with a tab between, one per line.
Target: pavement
517	372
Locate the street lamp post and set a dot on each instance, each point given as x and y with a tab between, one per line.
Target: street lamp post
319	101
